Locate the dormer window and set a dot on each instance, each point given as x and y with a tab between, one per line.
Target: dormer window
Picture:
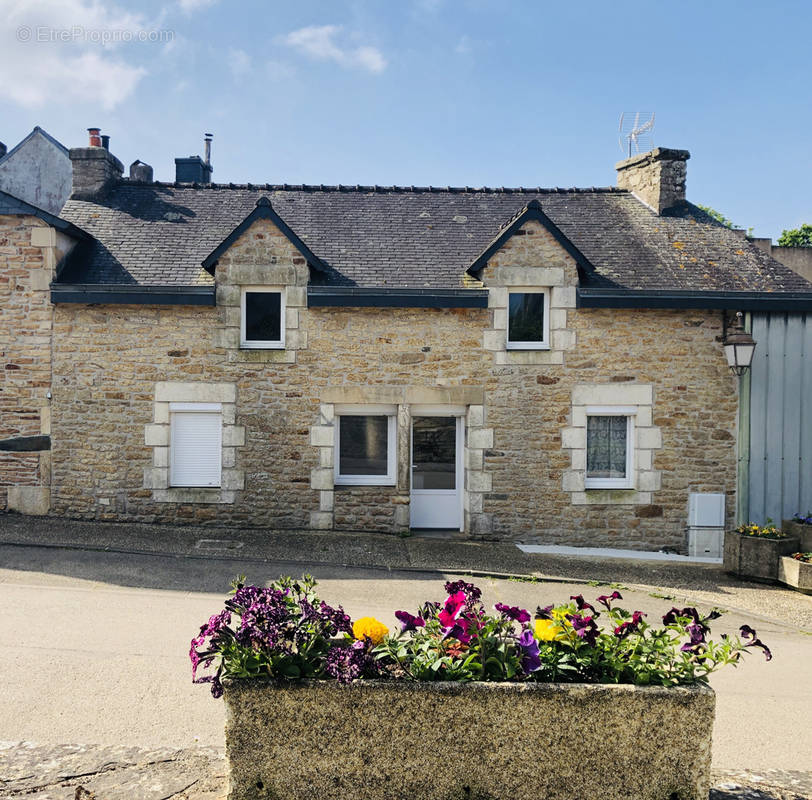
262	317
528	320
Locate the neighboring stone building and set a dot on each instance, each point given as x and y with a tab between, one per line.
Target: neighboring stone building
37	170
536	365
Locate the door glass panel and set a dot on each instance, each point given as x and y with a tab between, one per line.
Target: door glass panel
434	453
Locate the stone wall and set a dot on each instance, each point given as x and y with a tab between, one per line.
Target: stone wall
29	251
108	361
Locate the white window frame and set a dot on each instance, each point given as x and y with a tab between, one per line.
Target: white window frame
257	344
389	411
545	345
612	483
186	408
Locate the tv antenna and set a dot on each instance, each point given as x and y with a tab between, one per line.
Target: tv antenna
635	132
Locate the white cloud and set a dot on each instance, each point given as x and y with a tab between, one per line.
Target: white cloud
319	43
463	46
279	70
64	51
239	62
190	6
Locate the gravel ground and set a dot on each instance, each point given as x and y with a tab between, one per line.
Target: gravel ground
125	773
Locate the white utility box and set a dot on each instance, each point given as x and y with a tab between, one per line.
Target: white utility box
706	524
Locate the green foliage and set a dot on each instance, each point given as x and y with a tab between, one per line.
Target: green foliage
717	215
797	237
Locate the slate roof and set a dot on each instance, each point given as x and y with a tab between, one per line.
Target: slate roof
158	234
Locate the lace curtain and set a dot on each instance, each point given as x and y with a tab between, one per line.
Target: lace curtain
606	447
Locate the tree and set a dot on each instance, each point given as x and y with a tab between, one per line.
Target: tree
797	237
717	215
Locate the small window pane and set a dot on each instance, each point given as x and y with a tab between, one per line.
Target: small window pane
526	317
606	447
263	316
363	445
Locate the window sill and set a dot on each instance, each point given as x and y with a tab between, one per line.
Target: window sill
191	494
350	481
262	346
527	346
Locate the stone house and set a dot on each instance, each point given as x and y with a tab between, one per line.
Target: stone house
37	170
533	365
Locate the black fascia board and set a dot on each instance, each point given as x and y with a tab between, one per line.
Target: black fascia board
105	294
532	211
19	207
263	210
376	297
595	297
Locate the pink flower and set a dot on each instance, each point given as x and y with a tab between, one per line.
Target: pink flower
452	609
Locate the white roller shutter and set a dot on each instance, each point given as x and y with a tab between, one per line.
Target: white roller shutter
196	448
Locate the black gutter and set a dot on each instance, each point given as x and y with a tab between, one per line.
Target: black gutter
357	297
655	298
132	295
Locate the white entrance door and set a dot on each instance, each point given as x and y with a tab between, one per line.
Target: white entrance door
436	495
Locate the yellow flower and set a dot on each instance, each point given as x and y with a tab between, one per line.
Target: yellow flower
369	626
546	630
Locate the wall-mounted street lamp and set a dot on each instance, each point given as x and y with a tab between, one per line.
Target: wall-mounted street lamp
739	346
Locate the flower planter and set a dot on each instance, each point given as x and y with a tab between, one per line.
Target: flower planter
801	531
797	574
389	740
756	557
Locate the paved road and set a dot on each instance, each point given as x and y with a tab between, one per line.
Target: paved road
95	648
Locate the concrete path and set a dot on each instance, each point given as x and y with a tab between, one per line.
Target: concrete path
96	639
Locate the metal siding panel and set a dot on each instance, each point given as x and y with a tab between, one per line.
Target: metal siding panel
775	418
791	390
758	415
805	465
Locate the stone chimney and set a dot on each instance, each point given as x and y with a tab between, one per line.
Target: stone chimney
95	168
139	171
657	177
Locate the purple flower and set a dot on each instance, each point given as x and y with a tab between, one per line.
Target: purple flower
586	628
671	617
530	660
461	631
544	613
581	604
410	622
748	633
472	593
630	626
453	607
696	631
513	612
346	662
606	599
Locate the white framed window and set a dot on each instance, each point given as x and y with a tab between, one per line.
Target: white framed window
195	444
610	447
262	317
528	324
366	445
